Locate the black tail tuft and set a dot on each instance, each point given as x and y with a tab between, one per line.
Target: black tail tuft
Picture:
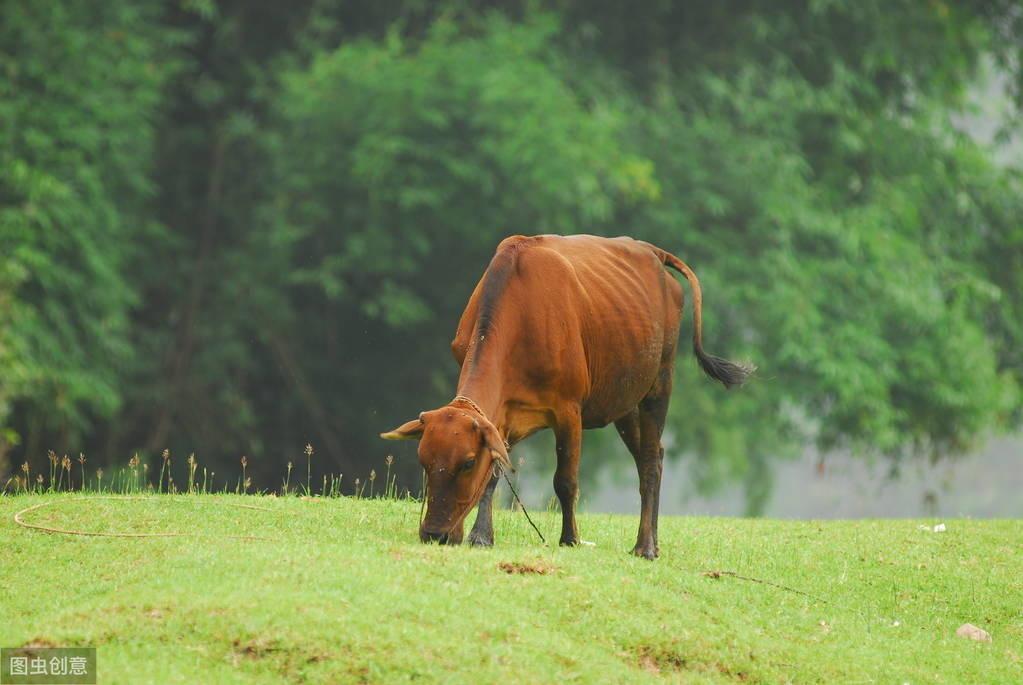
730	374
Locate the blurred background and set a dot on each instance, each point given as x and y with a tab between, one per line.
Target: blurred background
235	227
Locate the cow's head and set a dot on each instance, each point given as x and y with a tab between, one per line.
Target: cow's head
459	448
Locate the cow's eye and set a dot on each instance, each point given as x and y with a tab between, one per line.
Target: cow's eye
468	465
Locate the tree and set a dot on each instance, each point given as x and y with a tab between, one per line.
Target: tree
318	185
78	101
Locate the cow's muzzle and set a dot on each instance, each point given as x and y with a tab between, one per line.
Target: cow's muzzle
434	536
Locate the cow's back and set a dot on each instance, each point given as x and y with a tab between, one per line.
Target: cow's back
630	320
594	320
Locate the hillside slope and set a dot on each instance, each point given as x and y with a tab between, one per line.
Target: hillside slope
341	591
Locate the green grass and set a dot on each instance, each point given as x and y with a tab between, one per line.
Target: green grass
343	592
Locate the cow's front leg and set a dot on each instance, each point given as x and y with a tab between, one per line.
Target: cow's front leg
566	479
482	533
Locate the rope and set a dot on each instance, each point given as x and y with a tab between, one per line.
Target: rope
468	400
63	531
522	506
733	574
476	407
18	518
422	504
465	514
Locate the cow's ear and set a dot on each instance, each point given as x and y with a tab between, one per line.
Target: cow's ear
413	430
495	443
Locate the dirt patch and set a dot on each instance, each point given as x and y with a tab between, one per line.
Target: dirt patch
289	660
658	659
39	643
649	664
538	567
663	660
257	648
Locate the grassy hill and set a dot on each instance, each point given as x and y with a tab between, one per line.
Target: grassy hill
339	590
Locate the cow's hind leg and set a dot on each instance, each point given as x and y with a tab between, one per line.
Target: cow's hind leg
569	438
649	419
482	533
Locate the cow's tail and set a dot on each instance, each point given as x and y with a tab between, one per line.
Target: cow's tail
729	373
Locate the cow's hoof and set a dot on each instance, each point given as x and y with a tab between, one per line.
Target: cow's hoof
648	552
480	540
569	542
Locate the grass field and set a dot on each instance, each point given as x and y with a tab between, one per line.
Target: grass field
341	591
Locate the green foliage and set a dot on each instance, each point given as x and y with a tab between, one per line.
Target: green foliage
836	229
469	137
265	236
437	149
78	98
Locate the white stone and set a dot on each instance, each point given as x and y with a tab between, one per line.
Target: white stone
972	632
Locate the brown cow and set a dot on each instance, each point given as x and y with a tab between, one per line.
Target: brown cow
567	333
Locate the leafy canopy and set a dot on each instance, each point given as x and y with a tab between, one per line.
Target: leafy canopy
236	227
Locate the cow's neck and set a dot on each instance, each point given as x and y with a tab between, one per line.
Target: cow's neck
482	380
